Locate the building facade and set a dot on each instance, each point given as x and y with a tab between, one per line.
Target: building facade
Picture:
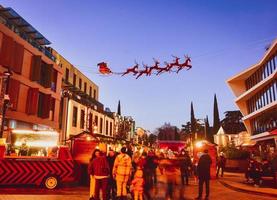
34	87
80	107
256	96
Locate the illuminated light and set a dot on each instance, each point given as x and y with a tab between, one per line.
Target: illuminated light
38	143
22	131
18	131
97	147
199	144
46	132
88	138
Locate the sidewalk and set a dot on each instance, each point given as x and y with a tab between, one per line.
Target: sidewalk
235	181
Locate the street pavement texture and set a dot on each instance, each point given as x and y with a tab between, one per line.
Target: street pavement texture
220	190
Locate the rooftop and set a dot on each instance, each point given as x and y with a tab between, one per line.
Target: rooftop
26	31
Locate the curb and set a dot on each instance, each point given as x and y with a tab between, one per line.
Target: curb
247	191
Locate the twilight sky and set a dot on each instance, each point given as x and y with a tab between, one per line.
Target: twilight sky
222	37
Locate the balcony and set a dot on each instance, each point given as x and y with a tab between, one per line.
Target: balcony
26	31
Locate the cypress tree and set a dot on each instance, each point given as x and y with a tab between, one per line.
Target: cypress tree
192	121
216	124
209	135
119	108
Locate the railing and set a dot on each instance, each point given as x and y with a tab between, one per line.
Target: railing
28	39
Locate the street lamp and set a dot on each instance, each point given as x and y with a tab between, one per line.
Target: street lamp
6	77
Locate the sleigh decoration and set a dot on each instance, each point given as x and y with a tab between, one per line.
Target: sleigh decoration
175	66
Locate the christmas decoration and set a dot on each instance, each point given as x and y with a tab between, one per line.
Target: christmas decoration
149	70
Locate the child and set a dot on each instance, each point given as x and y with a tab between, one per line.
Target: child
137	185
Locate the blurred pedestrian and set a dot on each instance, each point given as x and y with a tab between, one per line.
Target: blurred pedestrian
203	172
99	168
152	162
137	185
221	162
111	183
121	173
130	151
185	166
170	167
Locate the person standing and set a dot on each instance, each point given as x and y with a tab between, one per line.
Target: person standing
203	172
121	173
185	166
99	168
170	168
152	162
111	183
137	185
221	164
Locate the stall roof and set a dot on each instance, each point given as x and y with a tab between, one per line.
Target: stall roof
15	19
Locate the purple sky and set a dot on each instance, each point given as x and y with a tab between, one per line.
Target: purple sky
222	37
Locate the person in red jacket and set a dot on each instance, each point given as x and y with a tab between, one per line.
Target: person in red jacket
99	168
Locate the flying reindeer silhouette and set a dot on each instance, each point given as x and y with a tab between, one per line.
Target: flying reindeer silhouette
155	66
167	68
133	69
176	62
185	64
146	71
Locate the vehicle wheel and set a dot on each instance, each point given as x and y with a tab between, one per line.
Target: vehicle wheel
51	182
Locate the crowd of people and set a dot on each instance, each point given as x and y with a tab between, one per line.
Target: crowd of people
135	173
258	169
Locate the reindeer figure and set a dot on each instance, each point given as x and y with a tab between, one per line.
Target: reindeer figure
133	69
167	68
176	62
145	71
156	66
185	64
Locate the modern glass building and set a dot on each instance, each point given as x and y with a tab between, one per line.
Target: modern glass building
256	96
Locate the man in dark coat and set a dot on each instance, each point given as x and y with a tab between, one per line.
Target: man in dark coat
203	171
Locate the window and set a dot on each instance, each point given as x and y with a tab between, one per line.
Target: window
101	125
107	127
111	128
54	80
96	120
40	104
80	83
74	80
94	94
46	74
85	87
96	124
90	122
44	105
262	98
90	91
52	109
82	121
66	74
74	117
262	73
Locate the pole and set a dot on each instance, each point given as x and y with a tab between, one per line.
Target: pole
6	101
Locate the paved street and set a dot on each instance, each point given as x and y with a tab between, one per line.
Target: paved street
218	192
